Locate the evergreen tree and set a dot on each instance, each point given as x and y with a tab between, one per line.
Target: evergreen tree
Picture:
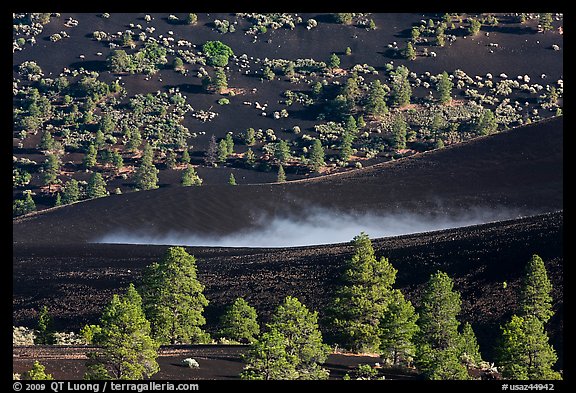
178	64
46	142
126	350
281	175
232	180
268	359
409	51
229	143
190	177
240	322
37	373
351	90
438	342
376	102
474	27
333	61
212	152
361	302
220	81
304	341
222	150
351	126
171	159
173	299
23	206
317	155
397	329
469	348
146	176
545	20
250	136
58	200
399	131
134	139
401	89
249	157
99	140
524	352
117	160
45	335
282	151
71	192
51	170
444	87
185	159
487	123
90	157
346	146
96	187
535	294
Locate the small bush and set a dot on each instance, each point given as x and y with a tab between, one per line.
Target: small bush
223	101
189	362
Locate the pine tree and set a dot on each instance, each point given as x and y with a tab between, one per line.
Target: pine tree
487	123
173	299
401	89
146	176
58	200
376	103
51	170
438	341
399	131
96	187
90	157
134	139
535	294
250	136
304	341
229	143
45	335
249	157
333	61
171	159
361	302
282	151
222	150
281	175
351	125
37	373
346	146
317	155
469	348
524	352
240	322
397	329
126	350
232	180
190	177
444	87
409	51
185	159
267	359
545	20
71	192
46	142
220	81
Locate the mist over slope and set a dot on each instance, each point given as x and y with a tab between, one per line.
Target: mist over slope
520	170
316	225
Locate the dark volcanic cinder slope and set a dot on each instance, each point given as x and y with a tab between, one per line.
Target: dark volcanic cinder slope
75	281
519	169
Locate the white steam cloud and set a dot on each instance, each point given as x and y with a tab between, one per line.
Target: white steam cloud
317	226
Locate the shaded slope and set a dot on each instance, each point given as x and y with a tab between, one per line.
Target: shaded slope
518	169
